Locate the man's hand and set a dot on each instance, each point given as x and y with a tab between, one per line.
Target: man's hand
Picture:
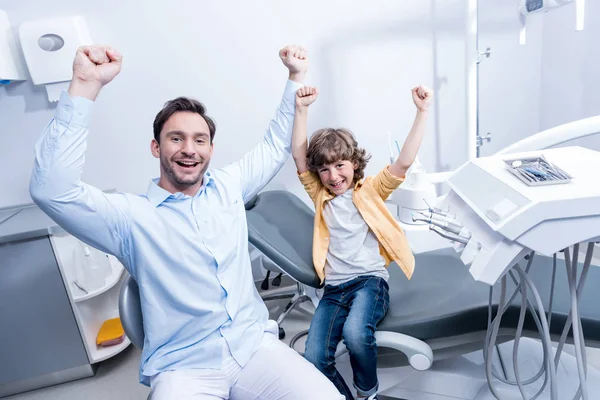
93	67
295	58
306	96
422	96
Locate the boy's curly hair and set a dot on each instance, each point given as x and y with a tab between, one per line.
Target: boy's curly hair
330	145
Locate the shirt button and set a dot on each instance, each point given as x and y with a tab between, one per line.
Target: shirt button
322	260
326	239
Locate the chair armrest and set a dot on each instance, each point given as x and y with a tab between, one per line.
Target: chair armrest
418	353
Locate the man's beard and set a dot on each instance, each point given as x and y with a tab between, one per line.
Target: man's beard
188	180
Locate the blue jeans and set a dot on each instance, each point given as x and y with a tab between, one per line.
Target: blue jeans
350	311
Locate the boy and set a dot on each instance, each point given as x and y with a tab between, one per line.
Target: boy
355	239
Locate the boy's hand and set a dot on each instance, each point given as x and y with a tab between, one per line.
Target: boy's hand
422	96
306	96
295	58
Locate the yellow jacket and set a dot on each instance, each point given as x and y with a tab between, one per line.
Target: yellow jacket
369	198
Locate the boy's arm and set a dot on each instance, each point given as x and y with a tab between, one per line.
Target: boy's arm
304	98
386	181
422	98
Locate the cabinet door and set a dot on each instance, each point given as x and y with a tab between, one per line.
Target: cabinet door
38	331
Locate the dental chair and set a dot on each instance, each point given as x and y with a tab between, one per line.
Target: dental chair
130	311
442	312
286	256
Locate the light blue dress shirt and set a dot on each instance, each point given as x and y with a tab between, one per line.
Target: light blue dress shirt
188	254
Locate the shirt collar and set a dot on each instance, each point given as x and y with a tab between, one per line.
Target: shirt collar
157	195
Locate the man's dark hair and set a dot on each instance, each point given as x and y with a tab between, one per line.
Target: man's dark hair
182	104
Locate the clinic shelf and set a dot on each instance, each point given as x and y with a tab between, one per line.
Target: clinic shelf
91	309
91	314
112	280
102	353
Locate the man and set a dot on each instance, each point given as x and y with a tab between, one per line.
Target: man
207	333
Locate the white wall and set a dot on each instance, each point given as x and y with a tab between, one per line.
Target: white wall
571	60
551	80
365	59
510	80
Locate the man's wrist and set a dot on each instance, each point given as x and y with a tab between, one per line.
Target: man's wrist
88	90
297	76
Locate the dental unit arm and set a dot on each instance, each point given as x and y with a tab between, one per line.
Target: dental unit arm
496	215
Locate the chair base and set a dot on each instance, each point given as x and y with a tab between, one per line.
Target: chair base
298	297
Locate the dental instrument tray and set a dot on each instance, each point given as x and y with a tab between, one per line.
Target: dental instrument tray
537	171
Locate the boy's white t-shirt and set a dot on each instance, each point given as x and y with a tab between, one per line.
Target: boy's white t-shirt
353	247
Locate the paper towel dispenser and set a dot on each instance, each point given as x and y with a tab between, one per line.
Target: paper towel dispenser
49	47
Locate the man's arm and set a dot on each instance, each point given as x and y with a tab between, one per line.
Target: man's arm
261	164
422	98
94	217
